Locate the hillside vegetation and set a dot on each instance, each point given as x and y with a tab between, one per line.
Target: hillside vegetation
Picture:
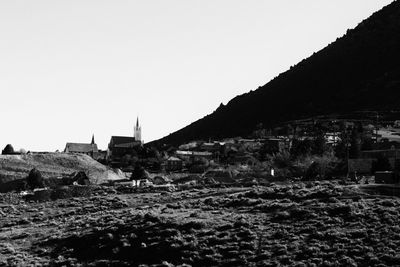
357	72
14	167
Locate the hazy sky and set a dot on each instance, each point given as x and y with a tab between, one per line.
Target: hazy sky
75	67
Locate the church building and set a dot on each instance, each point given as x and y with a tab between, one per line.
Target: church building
120	146
83	148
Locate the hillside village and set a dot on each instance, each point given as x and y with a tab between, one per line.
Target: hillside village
229	202
362	151
302	171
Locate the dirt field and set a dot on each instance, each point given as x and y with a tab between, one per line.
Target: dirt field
15	167
315	224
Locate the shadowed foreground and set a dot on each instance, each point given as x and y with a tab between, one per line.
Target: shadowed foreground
314	224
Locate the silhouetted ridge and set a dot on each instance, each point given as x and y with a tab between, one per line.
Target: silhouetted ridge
360	71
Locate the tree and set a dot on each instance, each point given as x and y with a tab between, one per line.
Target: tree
355	143
8	150
313	171
35	179
301	147
322	167
319	145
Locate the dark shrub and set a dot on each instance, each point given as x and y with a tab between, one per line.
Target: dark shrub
81	178
8	150
312	171
35	179
381	164
139	173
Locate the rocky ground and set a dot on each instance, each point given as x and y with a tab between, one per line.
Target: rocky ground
314	224
51	165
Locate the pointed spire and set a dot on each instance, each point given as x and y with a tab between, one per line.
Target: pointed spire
92	140
137	131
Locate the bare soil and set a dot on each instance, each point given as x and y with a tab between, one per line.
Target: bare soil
314	224
51	165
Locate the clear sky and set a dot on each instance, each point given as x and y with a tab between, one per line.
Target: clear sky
72	68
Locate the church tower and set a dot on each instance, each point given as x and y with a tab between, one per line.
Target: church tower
137	131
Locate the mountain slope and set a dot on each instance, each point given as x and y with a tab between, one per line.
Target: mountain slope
360	71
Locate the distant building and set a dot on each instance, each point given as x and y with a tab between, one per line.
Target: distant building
122	145
174	164
193	156
332	138
83	148
119	146
189	146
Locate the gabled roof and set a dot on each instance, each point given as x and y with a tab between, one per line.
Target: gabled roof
117	140
193	153
173	159
80	148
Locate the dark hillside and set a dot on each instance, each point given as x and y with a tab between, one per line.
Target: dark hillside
360	71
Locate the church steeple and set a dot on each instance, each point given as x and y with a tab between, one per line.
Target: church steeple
92	140
137	131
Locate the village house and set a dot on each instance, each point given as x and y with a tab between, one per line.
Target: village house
89	149
193	156
213	147
189	146
332	138
173	164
